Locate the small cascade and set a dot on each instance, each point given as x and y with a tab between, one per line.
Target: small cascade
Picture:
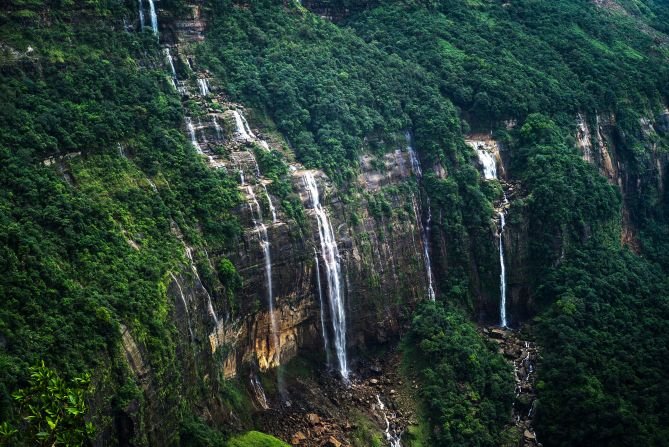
193	136
331	258
141	15
393	438
242	127
415	163
259	392
154	17
326	343
183	300
269	201
219	131
488	162
170	61
261	229
203	85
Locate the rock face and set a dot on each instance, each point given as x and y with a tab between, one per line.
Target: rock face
607	146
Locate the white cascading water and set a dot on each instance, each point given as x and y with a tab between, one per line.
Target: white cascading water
183	300
259	392
256	216
487	160
193	267
424	229
170	61
242	126
426	252
326	344
203	85
415	163
330	255
141	15
217	127
272	209
154	17
489	164
502	275
191	132
393	438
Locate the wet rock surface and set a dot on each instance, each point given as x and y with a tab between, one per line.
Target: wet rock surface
323	411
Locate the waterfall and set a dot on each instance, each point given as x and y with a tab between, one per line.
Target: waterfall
183	300
259	391
415	163
191	132
154	17
170	61
204	86
331	257
193	267
271	205
424	229
217	127
424	236
141	15
256	216
242	126
489	164
502	275
391	436
326	344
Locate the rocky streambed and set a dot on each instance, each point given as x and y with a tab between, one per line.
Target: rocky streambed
523	354
322	411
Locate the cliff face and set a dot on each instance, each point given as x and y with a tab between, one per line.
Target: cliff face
282	307
630	159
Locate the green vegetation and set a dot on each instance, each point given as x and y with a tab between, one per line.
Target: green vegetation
255	439
50	412
465	384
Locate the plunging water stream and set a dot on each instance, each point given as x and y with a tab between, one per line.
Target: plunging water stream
392	436
191	132
330	255
424	229
489	164
154	17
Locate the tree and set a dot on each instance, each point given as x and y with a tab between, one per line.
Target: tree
50	411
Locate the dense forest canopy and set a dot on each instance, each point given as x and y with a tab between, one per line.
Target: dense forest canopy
97	177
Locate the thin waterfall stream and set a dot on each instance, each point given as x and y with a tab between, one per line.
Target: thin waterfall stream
424	228
331	258
489	164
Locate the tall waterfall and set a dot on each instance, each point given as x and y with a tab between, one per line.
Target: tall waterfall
154	17
141	15
256	216
487	160
424	229
502	275
424	232
326	343
331	257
